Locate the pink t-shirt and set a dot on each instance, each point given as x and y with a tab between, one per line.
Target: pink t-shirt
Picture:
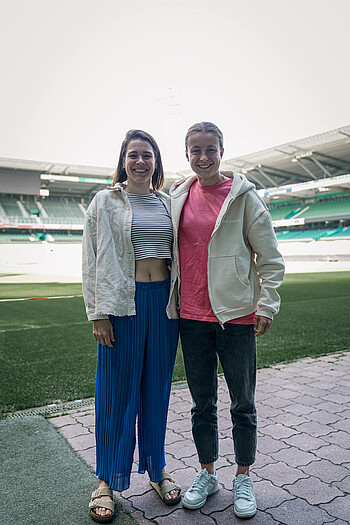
197	222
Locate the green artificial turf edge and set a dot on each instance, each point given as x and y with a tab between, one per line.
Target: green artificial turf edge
48	353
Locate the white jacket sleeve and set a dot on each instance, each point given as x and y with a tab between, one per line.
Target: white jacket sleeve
269	264
89	266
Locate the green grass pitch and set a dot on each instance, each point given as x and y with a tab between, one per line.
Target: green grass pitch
48	353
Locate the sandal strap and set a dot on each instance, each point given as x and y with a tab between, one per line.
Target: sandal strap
103	491
166	475
165	489
109	505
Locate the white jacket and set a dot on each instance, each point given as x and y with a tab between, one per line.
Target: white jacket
108	268
244	266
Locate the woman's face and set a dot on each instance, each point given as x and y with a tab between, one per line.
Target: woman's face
204	155
139	162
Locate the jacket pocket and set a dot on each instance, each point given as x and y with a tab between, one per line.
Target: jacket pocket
229	288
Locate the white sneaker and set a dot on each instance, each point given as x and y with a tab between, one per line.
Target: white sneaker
203	486
245	503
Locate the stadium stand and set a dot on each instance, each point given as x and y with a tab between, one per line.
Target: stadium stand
305	184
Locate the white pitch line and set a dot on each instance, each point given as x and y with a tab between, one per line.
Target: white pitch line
39	298
35	327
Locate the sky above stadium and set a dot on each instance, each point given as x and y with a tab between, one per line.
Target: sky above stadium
77	74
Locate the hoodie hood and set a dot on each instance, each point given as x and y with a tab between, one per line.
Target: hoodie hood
240	184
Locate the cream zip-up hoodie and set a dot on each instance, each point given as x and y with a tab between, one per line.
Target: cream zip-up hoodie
244	266
108	264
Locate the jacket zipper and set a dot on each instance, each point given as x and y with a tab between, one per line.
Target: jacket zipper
212	235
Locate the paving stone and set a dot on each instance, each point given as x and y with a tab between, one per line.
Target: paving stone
338	398
298	512
322	385
172	437
174	416
278	402
267	445
339	508
339	438
267	411
315	429
89	456
173	463
140	519
226	446
342	424
82	442
152	506
71	431
184	450
299	410
330	407
86	419
334	453
325	418
345	414
268	387
224	423
325	470
336	522
219	501
180	406
185	434
268	495
61	421
289	420
313	490
263	459
315	391
294	457
184	516
278	431
263	422
307	400
343	485
280	474
227	517
180	425
305	442
139	484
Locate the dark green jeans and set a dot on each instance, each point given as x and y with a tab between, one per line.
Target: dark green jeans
203	342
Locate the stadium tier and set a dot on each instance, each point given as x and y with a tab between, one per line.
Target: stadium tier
305	184
316	209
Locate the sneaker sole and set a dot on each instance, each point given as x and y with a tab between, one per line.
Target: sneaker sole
199	505
246	515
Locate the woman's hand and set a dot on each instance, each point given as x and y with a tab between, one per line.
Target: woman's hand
261	325
103	332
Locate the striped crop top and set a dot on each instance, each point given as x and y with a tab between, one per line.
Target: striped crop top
151	229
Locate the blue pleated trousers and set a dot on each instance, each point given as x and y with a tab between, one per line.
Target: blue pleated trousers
133	381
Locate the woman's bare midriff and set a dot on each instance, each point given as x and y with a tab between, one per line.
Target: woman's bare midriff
151	269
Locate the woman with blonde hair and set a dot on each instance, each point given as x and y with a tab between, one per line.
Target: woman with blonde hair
230	269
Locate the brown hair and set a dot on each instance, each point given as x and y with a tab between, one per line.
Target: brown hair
205	127
133	134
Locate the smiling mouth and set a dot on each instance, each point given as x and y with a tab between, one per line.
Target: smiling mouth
204	166
140	171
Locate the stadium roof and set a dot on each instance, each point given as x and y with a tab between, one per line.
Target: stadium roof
319	157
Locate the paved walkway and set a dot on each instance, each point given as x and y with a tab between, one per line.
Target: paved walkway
302	472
